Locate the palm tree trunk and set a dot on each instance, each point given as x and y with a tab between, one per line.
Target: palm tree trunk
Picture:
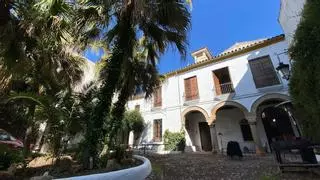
29	131
118	111
122	51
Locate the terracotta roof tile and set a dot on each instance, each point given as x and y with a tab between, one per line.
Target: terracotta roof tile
236	49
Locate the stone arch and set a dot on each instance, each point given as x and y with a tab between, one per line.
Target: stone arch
194	108
276	96
226	103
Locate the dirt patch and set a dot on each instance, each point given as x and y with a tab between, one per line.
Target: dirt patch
210	166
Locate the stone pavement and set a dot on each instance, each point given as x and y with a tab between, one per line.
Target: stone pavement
192	166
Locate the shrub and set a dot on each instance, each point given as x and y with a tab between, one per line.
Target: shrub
174	141
305	81
134	120
9	156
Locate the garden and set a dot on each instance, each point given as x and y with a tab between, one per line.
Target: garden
54	123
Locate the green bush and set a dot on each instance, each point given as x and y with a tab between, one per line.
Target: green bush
134	121
174	141
305	81
9	156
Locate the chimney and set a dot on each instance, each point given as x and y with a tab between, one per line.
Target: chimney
202	54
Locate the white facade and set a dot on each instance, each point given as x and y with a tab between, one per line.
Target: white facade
224	123
290	15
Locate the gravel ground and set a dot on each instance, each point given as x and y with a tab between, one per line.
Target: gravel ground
211	166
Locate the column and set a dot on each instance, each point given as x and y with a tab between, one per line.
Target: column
214	140
252	120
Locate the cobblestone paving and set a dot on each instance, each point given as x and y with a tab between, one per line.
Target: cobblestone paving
210	166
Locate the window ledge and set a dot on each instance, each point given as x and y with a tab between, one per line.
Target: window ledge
156	108
192	101
270	88
225	96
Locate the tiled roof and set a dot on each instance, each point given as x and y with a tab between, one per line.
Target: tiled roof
236	49
240	45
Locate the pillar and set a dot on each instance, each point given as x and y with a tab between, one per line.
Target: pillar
214	140
252	120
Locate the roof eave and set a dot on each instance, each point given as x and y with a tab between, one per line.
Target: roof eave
237	52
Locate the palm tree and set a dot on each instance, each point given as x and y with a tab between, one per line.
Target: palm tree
143	74
161	22
40	46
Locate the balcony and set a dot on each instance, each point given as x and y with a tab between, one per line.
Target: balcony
226	88
222	81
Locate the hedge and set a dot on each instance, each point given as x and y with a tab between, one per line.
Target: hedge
305	81
174	141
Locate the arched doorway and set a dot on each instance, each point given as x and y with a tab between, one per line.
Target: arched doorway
231	125
198	137
277	122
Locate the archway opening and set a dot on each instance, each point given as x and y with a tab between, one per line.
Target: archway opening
232	125
198	132
277	122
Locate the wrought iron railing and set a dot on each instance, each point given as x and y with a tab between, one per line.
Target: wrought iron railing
226	88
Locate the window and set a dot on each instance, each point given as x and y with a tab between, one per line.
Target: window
191	88
245	130
222	81
263	72
137	107
157	101
138	93
157	130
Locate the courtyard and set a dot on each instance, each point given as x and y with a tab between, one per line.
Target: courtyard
212	166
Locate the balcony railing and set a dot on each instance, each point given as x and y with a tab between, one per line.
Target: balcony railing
226	88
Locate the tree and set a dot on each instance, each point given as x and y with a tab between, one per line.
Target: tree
41	48
134	121
161	23
143	74
305	80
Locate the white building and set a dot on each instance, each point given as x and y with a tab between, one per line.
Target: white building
228	97
289	17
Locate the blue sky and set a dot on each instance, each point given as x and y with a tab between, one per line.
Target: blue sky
217	24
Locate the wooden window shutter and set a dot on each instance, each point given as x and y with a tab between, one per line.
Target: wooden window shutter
158	97
154	130
217	84
194	88
187	88
263	72
191	88
157	130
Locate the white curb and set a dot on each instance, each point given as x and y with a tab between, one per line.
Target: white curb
134	173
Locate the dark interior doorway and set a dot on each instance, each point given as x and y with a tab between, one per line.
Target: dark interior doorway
205	136
277	124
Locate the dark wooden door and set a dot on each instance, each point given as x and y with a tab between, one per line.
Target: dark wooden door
205	136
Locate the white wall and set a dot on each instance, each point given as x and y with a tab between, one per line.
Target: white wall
290	15
173	103
227	123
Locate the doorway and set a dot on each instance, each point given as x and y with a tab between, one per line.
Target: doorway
205	136
277	124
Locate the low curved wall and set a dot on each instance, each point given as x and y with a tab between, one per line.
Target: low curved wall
134	173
